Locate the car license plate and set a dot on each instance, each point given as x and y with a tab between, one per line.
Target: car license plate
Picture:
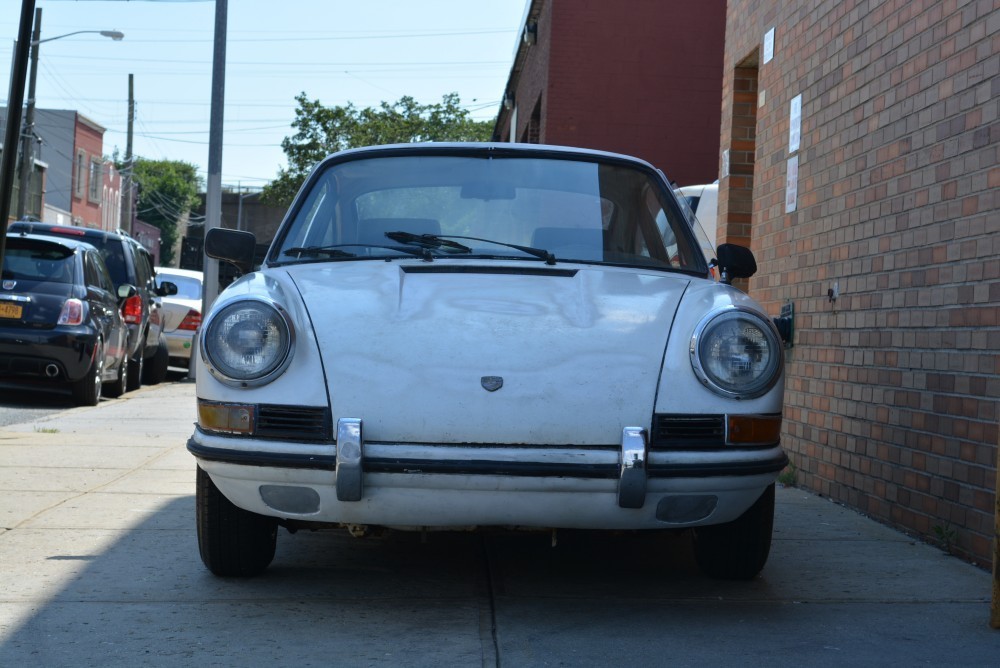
8	310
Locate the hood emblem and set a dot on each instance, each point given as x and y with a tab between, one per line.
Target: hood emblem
491	383
9	285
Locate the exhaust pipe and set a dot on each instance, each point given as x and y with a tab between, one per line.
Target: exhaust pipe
51	370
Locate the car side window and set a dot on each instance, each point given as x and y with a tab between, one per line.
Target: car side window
90	277
144	270
97	273
103	275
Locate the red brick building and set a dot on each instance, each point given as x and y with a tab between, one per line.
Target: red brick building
859	158
642	77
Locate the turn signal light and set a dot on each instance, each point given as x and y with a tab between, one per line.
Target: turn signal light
753	429
226	418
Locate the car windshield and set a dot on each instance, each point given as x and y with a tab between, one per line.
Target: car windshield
525	208
188	287
38	262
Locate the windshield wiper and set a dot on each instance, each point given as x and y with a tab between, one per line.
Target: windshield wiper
428	241
444	240
334	250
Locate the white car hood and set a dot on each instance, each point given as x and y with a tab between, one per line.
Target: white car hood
406	346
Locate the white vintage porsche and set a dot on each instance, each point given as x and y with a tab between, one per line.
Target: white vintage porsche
486	335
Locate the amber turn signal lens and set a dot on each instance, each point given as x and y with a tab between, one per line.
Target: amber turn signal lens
753	429
226	418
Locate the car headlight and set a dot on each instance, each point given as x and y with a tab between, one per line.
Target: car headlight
247	343
736	353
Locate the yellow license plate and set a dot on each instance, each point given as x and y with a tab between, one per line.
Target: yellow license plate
8	310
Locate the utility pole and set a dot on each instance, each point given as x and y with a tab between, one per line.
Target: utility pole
128	183
28	132
9	159
213	191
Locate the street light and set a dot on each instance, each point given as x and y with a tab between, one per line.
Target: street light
28	133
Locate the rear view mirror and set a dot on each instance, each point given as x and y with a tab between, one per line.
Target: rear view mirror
735	262
233	246
166	289
488	190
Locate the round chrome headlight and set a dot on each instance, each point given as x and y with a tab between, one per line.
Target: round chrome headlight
247	343
736	353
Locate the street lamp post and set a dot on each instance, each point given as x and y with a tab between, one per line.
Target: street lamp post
28	132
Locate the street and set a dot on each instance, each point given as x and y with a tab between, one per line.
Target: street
101	567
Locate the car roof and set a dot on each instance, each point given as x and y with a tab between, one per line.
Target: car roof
22	226
69	242
485	149
167	271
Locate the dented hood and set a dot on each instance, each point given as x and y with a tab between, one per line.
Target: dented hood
517	352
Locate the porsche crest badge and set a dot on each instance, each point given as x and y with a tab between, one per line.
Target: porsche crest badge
491	383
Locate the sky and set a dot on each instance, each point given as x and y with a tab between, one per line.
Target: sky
337	51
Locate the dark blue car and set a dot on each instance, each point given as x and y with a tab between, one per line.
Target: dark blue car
61	325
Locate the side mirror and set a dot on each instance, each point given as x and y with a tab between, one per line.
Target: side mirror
126	290
233	246
166	289
735	262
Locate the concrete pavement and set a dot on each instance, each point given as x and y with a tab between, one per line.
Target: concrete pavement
99	566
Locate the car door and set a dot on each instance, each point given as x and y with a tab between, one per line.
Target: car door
104	306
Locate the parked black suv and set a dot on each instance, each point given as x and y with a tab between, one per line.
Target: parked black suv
129	263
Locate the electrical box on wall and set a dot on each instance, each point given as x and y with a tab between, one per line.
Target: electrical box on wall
785	323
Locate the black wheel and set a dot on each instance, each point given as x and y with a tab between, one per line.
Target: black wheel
120	384
87	390
134	372
156	370
737	550
232	541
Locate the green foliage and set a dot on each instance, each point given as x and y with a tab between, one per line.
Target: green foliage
167	190
325	130
787	476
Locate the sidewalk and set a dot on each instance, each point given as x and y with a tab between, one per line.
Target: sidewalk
100	567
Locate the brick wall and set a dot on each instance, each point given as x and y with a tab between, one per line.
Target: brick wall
892	389
640	77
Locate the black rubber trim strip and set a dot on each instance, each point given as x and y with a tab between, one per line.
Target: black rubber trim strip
485	269
465	467
252	458
722	469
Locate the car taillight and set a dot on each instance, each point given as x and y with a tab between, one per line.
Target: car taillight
191	321
132	310
71	313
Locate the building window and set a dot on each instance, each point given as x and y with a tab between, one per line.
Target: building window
96	180
80	178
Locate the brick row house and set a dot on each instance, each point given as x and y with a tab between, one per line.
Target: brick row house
856	145
641	77
72	183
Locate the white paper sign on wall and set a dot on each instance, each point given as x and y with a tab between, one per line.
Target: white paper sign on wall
768	46
795	124
792	184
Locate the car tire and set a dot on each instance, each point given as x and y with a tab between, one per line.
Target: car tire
156	370
135	372
120	384
233	542
87	390
737	550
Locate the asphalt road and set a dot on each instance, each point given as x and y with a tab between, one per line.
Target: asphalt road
100	566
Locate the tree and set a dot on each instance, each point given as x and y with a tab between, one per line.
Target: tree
167	190
325	130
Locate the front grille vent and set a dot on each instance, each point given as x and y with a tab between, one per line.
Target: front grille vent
678	432
299	423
